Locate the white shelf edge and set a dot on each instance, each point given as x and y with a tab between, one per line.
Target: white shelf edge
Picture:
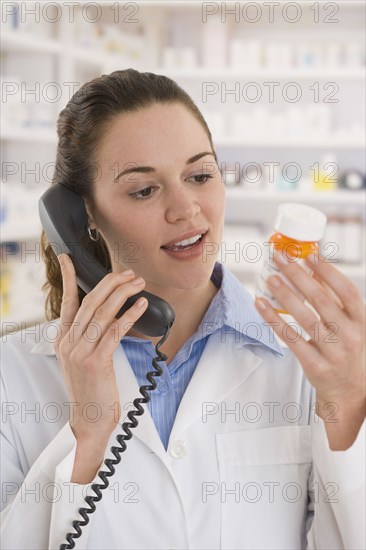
41	135
29	318
18	41
17	231
17	236
325	142
353	271
32	134
201	72
89	56
339	196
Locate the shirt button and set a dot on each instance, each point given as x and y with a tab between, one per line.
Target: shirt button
163	387
178	449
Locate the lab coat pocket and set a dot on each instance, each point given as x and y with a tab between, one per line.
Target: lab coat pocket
263	487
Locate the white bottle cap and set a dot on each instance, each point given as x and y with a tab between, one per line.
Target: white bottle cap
300	222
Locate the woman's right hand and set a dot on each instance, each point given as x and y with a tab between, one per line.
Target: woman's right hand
86	358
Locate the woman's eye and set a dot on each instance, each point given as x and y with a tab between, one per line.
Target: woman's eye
145	193
141	194
204	176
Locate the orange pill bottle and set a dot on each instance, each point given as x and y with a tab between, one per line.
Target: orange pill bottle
298	230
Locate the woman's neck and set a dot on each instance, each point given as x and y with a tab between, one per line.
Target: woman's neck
189	313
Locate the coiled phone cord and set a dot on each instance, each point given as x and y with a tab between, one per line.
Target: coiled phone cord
121	438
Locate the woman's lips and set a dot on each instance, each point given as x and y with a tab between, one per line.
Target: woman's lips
193	252
187	235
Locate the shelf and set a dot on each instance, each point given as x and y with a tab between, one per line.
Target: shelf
19	234
326	142
200	73
30	135
98	57
22	42
28	319
91	56
41	135
69	59
341	197
18	41
351	271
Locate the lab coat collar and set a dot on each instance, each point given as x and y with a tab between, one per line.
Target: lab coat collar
222	367
231	310
45	336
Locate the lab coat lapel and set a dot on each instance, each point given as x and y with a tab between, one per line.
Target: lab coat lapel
128	390
221	368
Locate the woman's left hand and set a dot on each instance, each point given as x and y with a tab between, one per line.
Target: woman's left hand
333	359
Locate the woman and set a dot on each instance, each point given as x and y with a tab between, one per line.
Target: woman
246	443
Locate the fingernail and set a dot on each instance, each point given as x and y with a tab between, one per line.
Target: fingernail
281	258
313	258
60	259
141	302
127	273
260	304
138	281
273	280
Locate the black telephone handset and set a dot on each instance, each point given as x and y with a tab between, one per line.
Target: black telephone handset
64	219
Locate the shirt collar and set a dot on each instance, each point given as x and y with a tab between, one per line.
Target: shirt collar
231	308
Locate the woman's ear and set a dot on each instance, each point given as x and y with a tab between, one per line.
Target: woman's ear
89	210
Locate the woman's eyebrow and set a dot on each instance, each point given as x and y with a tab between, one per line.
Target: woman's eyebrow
148	169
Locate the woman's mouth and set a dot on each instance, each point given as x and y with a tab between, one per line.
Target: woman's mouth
189	250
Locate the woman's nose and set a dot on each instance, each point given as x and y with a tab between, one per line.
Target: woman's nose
181	204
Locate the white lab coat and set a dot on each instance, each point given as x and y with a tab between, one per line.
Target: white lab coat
248	465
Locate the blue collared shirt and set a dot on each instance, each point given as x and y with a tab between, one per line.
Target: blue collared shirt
231	309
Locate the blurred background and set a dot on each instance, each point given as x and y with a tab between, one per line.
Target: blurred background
281	85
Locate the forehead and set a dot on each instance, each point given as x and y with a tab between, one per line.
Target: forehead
154	132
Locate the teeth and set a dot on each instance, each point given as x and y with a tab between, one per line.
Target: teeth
186	242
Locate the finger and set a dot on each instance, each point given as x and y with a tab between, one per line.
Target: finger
70	298
305	351
119	328
304	315
98	311
313	291
329	292
346	291
105	314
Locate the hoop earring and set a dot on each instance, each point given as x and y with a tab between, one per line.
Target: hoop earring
91	236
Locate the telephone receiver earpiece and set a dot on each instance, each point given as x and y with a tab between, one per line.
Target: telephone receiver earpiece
64	219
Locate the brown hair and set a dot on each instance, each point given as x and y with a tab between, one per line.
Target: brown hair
80	125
